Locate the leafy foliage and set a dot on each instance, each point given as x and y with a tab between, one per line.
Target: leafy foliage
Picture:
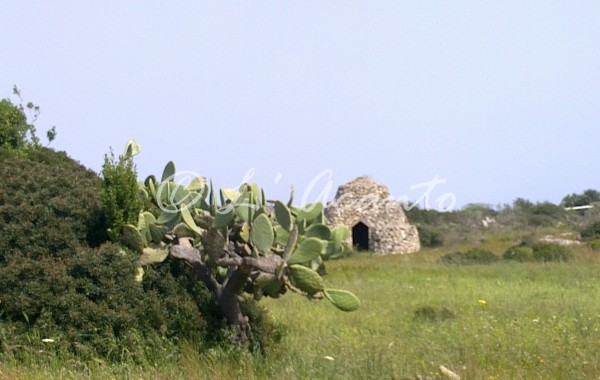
91	304
431	224
595	244
546	214
121	202
87	299
431	236
519	253
475	220
586	198
49	205
240	246
13	125
546	252
591	231
16	131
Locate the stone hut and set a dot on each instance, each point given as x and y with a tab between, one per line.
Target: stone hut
377	223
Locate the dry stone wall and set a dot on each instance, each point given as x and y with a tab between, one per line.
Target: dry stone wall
364	200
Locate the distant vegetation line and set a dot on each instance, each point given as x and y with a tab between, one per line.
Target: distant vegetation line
438	228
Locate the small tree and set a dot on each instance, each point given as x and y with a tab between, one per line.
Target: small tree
15	126
243	244
120	193
586	198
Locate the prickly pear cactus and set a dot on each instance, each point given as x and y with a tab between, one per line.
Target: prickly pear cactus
261	247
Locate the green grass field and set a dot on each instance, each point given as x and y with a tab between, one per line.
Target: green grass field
502	321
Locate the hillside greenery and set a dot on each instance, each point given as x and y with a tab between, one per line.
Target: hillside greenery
62	281
182	273
437	229
503	320
490	296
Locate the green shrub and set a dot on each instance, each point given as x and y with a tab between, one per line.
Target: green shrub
546	252
92	303
49	205
528	240
175	281
595	244
586	198
13	125
86	299
591	232
431	236
541	252
94	307
121	202
17	133
519	253
472	256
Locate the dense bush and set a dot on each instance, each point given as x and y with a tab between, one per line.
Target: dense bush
586	198
591	231
546	214
546	252
595	244
431	236
121	202
519	253
174	283
91	303
49	205
472	256
86	299
541	252
528	240
431	224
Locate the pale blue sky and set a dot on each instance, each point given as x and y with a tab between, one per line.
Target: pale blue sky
502	99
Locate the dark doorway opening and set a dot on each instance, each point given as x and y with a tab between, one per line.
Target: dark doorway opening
360	236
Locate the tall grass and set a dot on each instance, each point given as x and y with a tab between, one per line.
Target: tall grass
510	320
502	321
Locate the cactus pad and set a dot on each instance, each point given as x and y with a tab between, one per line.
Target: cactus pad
306	279
307	250
261	233
342	299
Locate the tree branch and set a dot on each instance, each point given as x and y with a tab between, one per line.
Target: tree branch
192	256
266	264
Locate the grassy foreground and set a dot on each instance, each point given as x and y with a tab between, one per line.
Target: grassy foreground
502	321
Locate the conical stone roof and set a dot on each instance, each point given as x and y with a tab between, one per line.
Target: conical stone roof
366	201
